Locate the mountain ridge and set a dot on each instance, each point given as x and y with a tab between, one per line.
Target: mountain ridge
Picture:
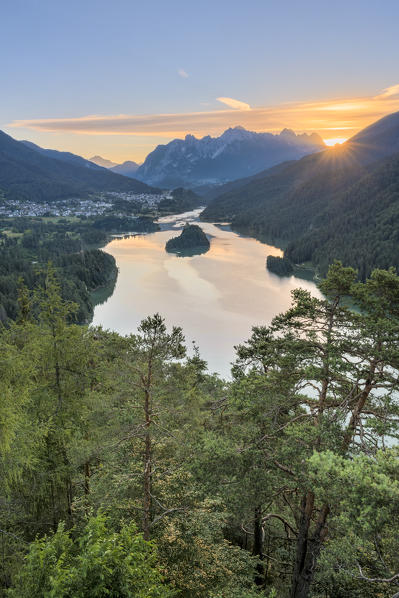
237	153
63	156
298	200
27	172
103	162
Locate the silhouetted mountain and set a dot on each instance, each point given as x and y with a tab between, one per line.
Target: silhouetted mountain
29	173
381	139
128	168
63	156
102	162
236	153
312	199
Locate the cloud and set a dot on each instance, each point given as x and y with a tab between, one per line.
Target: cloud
330	118
182	73
235	104
389	91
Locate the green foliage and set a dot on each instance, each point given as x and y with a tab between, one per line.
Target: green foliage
125	224
365	492
97	563
180	200
80	269
286	475
279	265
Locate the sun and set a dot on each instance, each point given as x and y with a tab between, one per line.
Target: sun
335	140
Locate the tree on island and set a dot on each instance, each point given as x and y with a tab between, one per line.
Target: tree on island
192	237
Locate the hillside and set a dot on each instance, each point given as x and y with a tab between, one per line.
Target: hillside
29	174
283	201
360	228
237	153
379	139
63	156
180	200
302	201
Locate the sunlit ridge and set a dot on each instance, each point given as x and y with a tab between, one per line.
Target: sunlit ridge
335	140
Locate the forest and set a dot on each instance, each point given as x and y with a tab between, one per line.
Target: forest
72	244
330	205
28	244
127	470
180	200
279	265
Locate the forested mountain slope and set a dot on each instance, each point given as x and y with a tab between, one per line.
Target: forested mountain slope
303	200
360	227
63	156
29	174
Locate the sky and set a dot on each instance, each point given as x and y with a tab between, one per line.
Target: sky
118	78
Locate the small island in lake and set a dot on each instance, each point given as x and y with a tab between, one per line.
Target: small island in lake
281	266
192	241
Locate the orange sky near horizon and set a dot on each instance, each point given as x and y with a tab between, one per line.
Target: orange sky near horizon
335	120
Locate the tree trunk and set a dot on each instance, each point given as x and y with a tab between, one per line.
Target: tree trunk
258	546
87	478
308	547
147	503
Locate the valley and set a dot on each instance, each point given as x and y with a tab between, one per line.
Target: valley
341	203
216	297
200	360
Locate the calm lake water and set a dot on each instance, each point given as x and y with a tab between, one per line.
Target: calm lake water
215	297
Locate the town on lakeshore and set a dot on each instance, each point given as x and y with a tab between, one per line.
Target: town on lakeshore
99	203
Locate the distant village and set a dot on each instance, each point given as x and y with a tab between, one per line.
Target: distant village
95	205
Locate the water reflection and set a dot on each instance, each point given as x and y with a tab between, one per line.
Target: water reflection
216	297
189	252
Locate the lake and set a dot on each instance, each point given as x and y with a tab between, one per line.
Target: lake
215	297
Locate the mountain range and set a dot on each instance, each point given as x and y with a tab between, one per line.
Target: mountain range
29	172
237	153
340	203
128	168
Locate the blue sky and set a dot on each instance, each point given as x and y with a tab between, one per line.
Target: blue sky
67	60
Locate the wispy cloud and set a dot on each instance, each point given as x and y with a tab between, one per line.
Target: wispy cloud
182	73
330	118
235	104
389	91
